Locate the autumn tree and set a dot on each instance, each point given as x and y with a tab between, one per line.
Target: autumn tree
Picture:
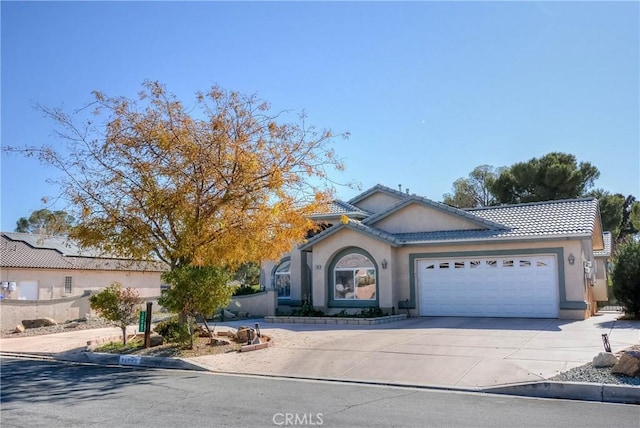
551	177
218	183
474	191
46	221
117	304
195	290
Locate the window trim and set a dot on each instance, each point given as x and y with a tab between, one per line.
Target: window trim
332	302
274	274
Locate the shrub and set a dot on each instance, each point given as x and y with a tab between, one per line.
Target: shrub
173	331
117	304
244	291
626	277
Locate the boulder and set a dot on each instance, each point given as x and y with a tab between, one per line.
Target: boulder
155	340
605	359
628	365
19	329
39	322
242	335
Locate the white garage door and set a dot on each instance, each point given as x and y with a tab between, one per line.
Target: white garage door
518	286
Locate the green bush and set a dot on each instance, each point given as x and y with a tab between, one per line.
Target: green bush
244	291
626	277
173	331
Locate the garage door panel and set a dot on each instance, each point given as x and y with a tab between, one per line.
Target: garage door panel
510	286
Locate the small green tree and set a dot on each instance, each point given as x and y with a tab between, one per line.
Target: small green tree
626	277
196	290
117	304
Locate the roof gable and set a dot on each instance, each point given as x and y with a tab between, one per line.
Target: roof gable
378	198
417	214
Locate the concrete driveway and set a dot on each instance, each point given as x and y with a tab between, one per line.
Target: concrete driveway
449	351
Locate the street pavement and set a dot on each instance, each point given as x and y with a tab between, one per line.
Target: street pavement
480	354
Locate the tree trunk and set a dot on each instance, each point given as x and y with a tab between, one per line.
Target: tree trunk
124	334
204	320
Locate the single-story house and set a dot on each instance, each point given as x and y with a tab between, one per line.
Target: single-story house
47	267
405	253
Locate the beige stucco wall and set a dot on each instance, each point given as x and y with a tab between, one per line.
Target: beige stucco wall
259	304
377	202
394	282
419	218
51	281
325	251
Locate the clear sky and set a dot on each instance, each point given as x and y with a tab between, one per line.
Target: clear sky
428	90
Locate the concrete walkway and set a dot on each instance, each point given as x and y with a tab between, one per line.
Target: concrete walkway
450	352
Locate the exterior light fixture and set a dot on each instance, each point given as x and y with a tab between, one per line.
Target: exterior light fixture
571	259
384	263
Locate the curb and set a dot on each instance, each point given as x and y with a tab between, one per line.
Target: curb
572	391
130	360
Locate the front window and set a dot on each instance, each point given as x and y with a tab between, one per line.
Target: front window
283	279
354	278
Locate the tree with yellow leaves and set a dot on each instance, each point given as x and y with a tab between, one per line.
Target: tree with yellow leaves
219	184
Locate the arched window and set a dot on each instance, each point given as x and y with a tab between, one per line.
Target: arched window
282	279
354	277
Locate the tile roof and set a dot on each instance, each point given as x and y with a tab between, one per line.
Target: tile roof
26	250
606	252
561	217
338	207
539	220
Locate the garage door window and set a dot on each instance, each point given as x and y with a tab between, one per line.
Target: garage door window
354	278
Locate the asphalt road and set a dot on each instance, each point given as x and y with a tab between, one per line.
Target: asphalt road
36	393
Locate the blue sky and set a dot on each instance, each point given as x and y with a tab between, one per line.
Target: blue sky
428	90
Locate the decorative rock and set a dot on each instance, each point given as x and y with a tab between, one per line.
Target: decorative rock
39	322
605	359
242	335
629	364
155	340
19	329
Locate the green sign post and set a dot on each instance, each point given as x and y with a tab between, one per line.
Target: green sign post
142	321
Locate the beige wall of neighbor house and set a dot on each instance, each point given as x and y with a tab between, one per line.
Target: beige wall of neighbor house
420	218
258	304
377	202
51	282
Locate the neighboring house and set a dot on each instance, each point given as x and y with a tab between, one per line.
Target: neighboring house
45	267
601	269
388	249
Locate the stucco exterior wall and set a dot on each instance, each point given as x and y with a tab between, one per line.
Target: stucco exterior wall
51	281
377	202
325	251
419	218
575	292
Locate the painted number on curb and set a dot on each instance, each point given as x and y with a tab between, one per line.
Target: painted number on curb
129	360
